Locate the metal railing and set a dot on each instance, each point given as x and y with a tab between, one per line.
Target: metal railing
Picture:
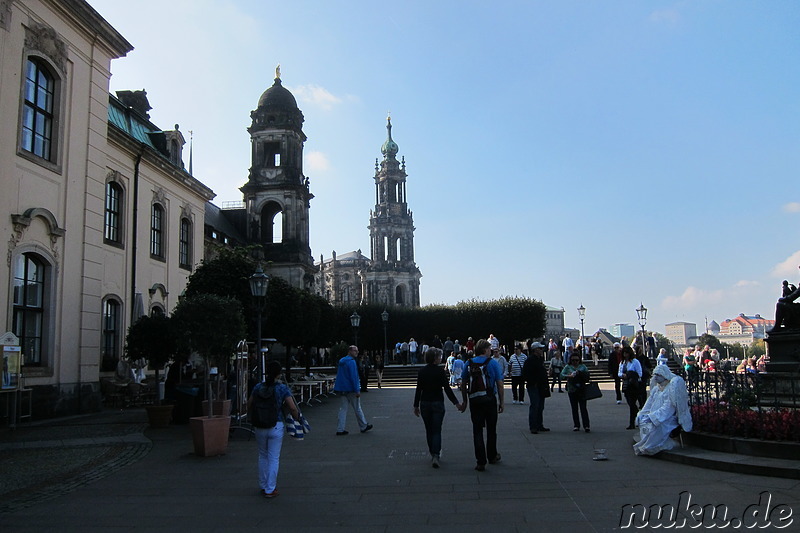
751	405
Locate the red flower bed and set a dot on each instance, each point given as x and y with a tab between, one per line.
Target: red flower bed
768	424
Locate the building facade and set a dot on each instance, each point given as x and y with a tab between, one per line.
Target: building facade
680	333
391	276
744	329
622	330
102	221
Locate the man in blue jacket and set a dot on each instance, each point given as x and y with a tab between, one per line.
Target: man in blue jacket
348	387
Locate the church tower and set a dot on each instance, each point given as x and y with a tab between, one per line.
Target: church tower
277	196
392	277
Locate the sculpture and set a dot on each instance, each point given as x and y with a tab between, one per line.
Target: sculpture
787	311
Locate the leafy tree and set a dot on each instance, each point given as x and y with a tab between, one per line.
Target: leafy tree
757	348
210	325
151	338
711	341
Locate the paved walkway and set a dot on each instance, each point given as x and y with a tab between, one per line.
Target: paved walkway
378	481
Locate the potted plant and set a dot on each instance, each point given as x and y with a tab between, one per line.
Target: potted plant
211	326
152	338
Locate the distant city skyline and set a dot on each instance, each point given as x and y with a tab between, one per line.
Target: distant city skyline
598	154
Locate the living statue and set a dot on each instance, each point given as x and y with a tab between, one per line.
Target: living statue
665	410
787	311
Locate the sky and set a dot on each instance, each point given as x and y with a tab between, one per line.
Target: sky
603	154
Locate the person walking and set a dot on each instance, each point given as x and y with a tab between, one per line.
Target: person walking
348	387
379	367
536	380
429	401
577	377
412	350
266	403
482	383
614	360
515	363
556	366
630	372
458	370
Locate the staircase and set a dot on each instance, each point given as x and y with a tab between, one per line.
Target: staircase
406	375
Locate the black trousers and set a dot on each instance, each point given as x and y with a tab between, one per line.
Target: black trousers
484	416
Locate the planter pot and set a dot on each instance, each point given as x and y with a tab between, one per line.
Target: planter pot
221	407
210	435
159	416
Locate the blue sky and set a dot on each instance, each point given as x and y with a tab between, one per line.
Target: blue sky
595	153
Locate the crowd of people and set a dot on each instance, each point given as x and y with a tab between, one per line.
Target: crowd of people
478	370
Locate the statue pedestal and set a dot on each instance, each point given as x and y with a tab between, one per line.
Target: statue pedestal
783	349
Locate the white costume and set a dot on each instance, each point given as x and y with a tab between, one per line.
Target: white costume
665	409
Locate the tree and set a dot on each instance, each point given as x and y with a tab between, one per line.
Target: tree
757	348
210	325
151	338
710	340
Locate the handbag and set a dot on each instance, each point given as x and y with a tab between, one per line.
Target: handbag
592	391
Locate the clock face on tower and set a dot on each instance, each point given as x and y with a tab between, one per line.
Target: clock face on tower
269	173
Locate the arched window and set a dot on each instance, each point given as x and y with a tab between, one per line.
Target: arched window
30	307
113	214
111	333
157	232
37	110
399	295
157	310
272	223
185	244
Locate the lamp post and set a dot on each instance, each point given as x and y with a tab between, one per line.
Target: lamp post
355	321
582	316
258	288
385	318
641	313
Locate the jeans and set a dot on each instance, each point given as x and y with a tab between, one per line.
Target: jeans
536	410
576	400
484	416
269	441
518	383
354	402
631	398
433	415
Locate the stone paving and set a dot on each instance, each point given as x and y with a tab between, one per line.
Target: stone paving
382	480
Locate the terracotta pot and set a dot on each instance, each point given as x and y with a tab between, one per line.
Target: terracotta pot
159	416
210	435
221	407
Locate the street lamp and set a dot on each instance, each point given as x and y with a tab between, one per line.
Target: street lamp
385	318
355	320
258	288
582	316
641	313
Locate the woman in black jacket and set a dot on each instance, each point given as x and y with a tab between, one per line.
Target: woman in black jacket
429	400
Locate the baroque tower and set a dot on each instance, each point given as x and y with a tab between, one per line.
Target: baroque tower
277	196
392	277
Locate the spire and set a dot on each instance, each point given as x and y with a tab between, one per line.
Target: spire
389	148
191	143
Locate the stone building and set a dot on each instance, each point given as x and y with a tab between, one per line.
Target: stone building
277	196
102	222
391	276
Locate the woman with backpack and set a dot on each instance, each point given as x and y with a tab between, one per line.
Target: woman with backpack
265	407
